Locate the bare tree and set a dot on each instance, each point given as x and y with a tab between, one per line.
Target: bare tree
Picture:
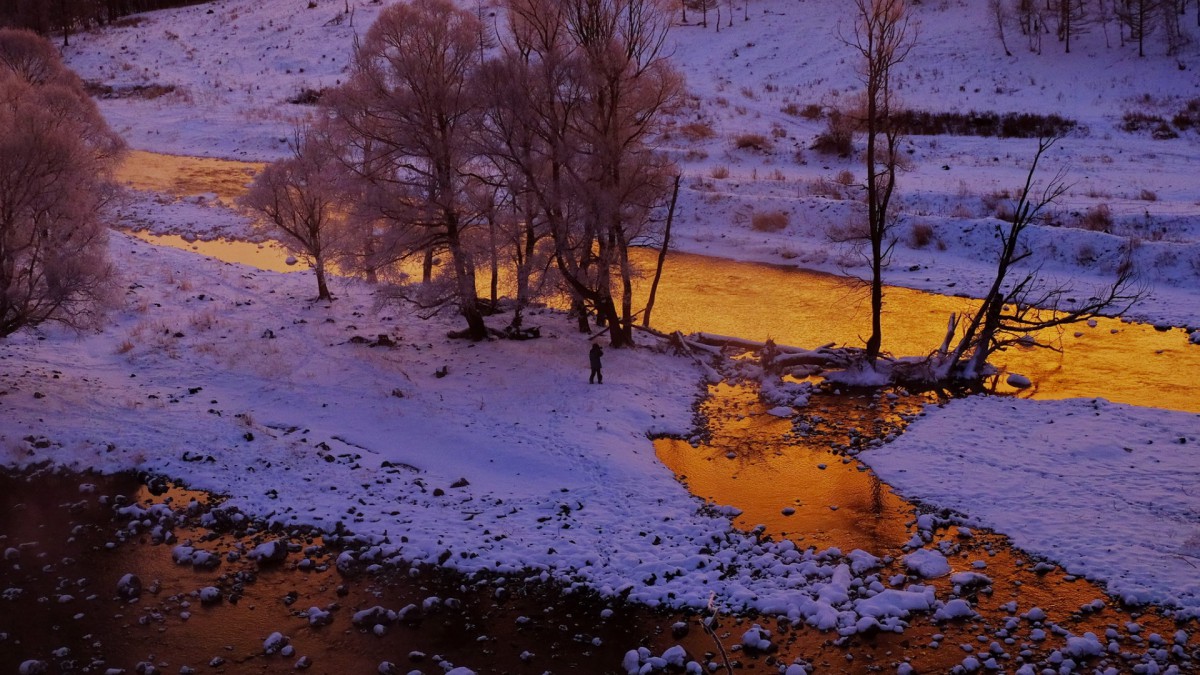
300	199
999	12
56	161
1016	308
518	140
588	81
1073	19
882	37
626	82
411	107
1142	16
1032	22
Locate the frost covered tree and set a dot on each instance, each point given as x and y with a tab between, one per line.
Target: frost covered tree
883	39
571	137
57	155
299	198
410	111
625	84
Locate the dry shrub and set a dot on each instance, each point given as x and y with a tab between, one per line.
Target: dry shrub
770	221
125	347
790	108
748	93
1097	219
697	131
838	137
719	172
778	132
823	187
844	178
997	204
921	235
752	142
1085	255
1148	196
812	111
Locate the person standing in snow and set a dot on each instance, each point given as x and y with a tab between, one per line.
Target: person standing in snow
595	355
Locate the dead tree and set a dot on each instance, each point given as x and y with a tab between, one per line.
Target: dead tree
1017	307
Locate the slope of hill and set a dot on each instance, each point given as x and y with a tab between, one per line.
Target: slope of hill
216	80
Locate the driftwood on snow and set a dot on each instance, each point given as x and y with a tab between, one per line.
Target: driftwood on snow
782	357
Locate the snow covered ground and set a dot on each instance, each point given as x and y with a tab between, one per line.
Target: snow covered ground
1107	490
228	378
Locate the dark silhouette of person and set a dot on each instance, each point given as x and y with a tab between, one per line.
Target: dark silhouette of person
594	355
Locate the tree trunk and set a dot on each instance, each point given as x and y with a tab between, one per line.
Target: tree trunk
662	253
322	285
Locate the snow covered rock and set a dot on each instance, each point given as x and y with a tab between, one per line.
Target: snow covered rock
757	638
1018	381
955	609
275	642
927	563
269	552
129	586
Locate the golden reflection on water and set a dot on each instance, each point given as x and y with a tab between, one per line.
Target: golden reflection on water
1123	362
749	462
268	255
187	176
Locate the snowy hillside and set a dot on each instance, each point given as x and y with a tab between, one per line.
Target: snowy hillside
216	80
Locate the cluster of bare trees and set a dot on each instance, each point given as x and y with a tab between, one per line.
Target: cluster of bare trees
56	160
529	150
1134	21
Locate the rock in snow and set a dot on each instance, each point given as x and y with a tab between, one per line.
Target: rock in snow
927	563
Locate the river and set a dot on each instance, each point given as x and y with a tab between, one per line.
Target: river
756	461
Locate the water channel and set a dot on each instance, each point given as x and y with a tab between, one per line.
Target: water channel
750	459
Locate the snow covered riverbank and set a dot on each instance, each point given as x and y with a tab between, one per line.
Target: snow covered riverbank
1105	490
229	379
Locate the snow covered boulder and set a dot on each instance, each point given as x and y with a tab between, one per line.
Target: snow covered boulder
1194	338
758	639
955	609
1084	647
896	603
1018	381
210	595
374	616
927	563
129	587
319	617
274	643
269	552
